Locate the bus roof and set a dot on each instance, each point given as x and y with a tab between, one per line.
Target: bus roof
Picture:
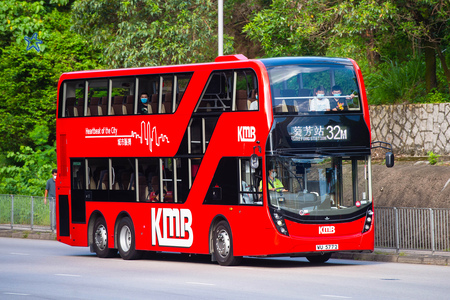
279	61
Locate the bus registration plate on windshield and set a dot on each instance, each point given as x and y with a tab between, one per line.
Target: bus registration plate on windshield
327	247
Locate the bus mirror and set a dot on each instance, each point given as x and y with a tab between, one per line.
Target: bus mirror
254	161
389	159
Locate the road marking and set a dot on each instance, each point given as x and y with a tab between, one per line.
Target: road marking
18	253
199	283
68	275
15	294
336	296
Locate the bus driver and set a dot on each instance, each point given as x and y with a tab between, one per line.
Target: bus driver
273	182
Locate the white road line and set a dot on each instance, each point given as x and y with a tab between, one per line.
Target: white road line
68	275
18	253
15	294
336	296
200	283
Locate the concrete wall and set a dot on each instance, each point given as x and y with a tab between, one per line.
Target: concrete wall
412	129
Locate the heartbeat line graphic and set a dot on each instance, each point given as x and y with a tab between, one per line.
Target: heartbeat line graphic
148	135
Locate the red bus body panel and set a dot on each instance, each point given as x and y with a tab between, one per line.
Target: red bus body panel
252	228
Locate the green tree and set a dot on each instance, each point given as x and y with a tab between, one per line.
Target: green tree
427	22
306	27
28	88
29	168
150	32
372	31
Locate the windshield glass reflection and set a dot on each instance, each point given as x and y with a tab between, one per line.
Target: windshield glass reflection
327	185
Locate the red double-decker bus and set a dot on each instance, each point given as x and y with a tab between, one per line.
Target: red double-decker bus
240	157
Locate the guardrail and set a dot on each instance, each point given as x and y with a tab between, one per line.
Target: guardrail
396	228
412	228
27	212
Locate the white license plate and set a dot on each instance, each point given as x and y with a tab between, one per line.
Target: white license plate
327	247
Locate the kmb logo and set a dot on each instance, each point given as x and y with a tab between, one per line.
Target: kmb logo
326	230
178	221
246	134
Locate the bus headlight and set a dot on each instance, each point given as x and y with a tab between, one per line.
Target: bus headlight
368	222
278	220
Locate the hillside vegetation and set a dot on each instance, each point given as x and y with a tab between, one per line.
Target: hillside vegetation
400	45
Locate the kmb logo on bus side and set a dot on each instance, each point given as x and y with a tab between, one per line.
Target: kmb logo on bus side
175	224
246	133
326	230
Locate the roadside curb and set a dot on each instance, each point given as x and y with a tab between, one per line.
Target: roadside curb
28	234
402	257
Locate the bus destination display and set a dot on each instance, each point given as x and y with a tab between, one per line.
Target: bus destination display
319	133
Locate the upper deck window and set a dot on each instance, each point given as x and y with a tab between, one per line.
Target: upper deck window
146	94
311	89
230	90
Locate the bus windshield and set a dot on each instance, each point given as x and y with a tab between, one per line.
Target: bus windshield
314	89
319	186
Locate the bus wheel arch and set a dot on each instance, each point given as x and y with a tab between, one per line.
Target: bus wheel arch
221	242
98	236
90	233
125	238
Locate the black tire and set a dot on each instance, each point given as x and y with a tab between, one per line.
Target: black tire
100	238
126	241
223	245
319	259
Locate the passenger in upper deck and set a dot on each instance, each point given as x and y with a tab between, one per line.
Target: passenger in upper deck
338	103
319	103
144	107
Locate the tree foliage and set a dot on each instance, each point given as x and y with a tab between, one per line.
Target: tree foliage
150	32
375	32
28	88
401	45
28	168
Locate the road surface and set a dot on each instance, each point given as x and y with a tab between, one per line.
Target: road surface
40	269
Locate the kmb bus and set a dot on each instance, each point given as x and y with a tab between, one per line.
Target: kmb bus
240	157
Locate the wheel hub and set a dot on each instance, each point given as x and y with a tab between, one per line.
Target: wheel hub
125	238
101	237
223	243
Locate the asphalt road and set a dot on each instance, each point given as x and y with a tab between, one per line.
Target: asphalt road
41	269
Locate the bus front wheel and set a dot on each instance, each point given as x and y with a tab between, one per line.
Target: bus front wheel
319	259
223	245
126	240
100	238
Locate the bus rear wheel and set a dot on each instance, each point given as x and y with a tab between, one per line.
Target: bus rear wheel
319	259
223	245
100	238
126	240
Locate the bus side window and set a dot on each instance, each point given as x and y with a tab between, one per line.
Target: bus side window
148	179
97	172
122	170
224	187
148	85
183	178
217	95
249	183
246	90
73	94
167	180
122	93
182	81
98	97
